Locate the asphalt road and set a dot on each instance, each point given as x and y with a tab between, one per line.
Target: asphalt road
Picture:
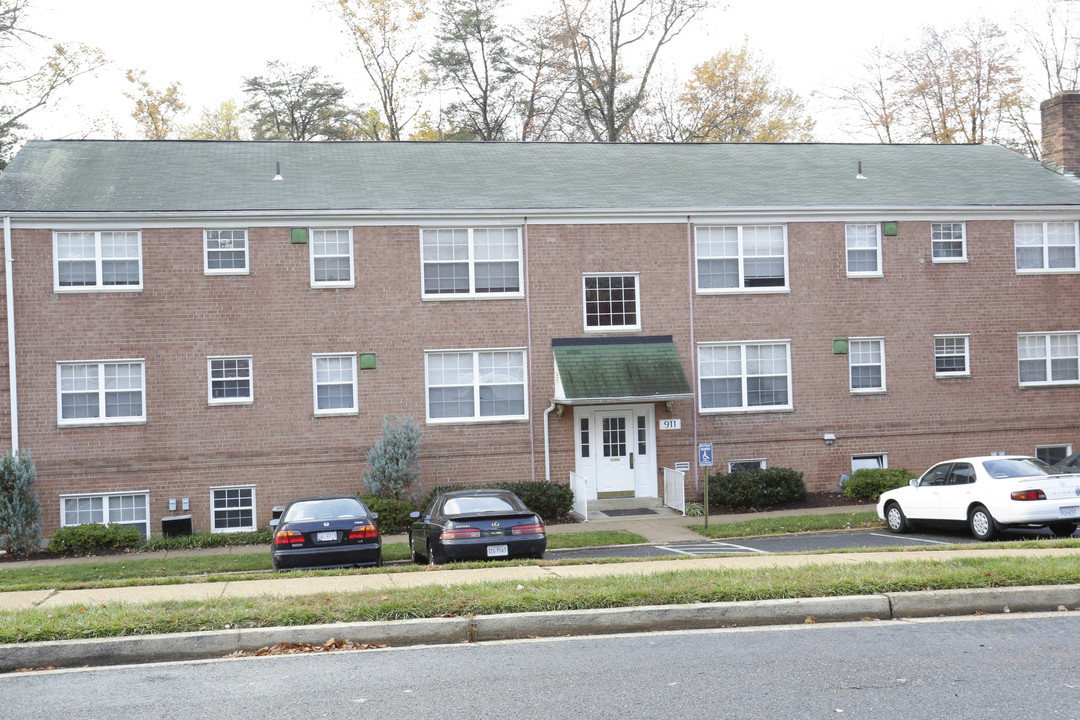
846	540
1011	666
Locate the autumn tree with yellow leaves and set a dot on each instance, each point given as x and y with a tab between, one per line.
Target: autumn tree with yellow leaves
155	110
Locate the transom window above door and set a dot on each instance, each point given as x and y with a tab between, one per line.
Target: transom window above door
611	302
471	262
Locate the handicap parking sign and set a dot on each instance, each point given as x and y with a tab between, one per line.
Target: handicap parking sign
704	451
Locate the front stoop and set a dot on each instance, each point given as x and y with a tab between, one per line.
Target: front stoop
598	509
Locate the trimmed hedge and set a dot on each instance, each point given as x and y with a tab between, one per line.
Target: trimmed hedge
207	540
869	483
551	501
393	514
94	536
757	489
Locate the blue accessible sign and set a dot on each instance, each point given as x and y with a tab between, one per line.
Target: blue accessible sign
704	451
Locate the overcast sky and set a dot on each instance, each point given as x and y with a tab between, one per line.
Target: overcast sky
209	45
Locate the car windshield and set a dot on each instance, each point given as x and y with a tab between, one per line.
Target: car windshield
487	503
1017	467
324	510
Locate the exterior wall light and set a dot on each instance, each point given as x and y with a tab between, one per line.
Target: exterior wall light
829	438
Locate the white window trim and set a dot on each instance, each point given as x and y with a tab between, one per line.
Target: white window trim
254	516
477	419
868	391
83	422
472	294
246	270
611	328
785	288
761	462
211	400
883	455
963	244
98	288
324	284
1045	269
1044	383
105	506
967	356
744	409
355	409
880	272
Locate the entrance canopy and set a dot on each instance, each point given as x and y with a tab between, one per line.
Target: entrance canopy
595	371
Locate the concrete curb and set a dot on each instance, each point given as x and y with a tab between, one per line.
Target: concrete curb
214	644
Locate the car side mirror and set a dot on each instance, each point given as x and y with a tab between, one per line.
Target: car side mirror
415	515
274	523
913	482
374	516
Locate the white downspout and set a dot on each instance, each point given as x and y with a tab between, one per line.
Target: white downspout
547	444
9	289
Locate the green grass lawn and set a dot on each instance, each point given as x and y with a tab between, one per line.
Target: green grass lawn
141	569
791	524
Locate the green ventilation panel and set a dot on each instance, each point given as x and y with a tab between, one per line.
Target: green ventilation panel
888	229
367	361
839	346
299	236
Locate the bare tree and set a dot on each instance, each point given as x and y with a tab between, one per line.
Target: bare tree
541	62
875	100
603	37
384	33
1057	44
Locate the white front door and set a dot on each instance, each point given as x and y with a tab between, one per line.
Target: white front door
615	465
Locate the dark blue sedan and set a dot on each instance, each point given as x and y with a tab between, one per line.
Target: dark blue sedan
476	525
325	532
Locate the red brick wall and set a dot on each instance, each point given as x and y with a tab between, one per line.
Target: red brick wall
182	316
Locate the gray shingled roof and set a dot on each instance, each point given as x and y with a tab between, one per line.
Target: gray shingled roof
188	176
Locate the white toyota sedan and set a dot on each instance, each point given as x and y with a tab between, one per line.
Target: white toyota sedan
988	494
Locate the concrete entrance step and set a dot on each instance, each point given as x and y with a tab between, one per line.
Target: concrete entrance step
629	508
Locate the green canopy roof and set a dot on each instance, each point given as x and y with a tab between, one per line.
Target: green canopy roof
605	370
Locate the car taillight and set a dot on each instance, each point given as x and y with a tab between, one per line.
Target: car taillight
287	537
363	532
460	533
534	529
1028	495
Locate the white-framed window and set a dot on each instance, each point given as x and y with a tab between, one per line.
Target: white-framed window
225	252
335	383
1048	358
951	356
331	258
97	260
100	391
471	263
748	376
754	464
475	385
611	301
866	365
872	461
948	242
1051	454
1046	247
229	380
741	258
863	245
232	509
123	508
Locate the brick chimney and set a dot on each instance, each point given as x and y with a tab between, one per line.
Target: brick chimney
1061	130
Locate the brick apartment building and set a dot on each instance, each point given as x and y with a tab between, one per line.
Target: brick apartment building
212	328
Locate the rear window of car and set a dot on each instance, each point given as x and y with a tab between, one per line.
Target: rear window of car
491	503
1017	467
325	510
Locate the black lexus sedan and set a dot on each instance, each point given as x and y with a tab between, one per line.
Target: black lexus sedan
476	525
325	532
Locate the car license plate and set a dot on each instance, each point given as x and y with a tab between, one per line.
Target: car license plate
1070	511
497	551
328	536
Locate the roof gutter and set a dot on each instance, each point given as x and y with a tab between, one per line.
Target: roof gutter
9	301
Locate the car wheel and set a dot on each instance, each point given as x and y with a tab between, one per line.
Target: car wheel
417	558
433	556
897	520
1062	529
378	561
983	525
